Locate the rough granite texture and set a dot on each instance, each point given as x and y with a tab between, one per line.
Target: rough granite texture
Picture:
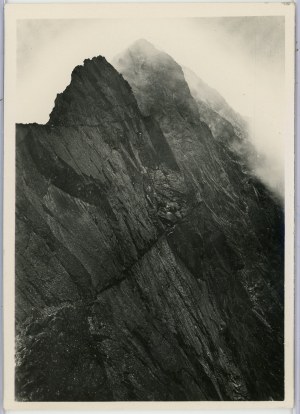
149	262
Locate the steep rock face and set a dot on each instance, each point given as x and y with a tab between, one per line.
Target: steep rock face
233	209
225	124
148	264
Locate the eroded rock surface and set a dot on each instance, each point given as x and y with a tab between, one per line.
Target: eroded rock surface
149	263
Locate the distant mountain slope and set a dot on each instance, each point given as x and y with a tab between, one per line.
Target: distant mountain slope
204	93
149	266
225	124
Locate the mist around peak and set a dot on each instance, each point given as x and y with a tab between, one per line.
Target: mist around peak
143	45
262	134
263	157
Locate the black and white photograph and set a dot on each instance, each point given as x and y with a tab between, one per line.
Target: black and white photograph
152	181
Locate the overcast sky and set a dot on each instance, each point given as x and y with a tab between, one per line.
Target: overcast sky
241	57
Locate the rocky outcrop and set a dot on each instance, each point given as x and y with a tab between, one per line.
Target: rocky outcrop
149	264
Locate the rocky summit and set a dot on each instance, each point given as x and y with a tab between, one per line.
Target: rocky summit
149	258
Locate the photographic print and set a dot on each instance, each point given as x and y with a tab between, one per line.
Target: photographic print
152	195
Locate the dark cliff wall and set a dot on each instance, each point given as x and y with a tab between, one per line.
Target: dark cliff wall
149	266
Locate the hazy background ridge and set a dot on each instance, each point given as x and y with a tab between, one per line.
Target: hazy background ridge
241	57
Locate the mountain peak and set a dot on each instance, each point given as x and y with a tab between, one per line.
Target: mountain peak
140	52
144	43
95	89
156	79
143	47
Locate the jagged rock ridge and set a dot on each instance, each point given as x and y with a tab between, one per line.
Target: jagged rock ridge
149	264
